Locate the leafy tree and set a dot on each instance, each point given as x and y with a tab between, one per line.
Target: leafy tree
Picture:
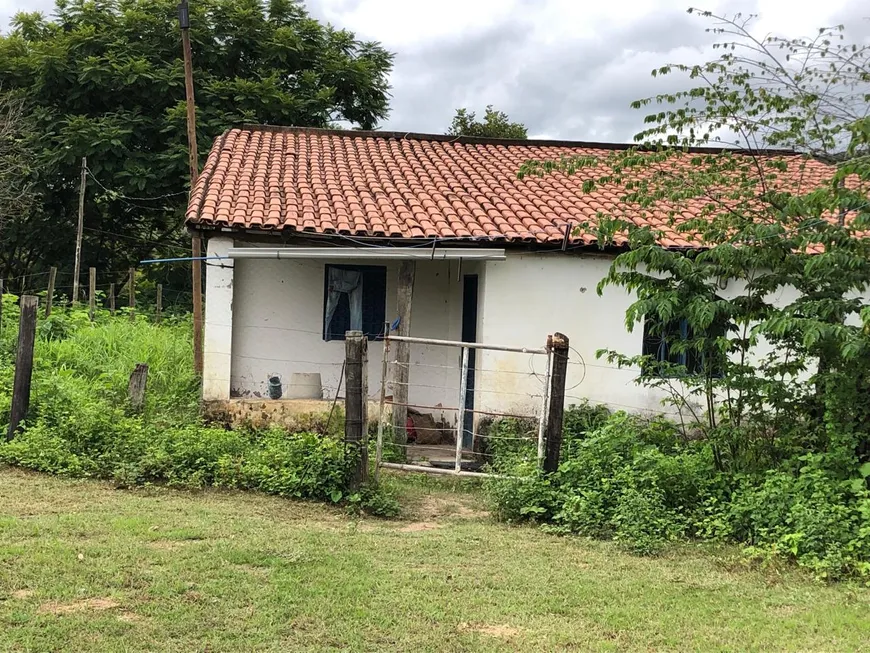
495	124
16	160
104	79
775	299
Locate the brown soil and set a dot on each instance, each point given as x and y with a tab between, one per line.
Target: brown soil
432	507
500	631
85	605
420	526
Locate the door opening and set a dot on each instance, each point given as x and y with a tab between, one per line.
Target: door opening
469	334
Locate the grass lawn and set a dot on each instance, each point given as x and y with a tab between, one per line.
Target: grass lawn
84	567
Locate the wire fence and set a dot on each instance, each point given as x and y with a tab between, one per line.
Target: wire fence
56	290
440	400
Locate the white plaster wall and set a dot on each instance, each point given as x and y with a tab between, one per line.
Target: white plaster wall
217	331
271	311
528	296
277	328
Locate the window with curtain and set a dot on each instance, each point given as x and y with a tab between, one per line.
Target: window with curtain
354	299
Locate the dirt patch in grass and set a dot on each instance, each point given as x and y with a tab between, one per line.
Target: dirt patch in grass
170	545
420	526
130	618
22	594
500	631
256	570
85	605
434	507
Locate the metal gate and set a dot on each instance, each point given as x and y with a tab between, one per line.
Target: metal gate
465	411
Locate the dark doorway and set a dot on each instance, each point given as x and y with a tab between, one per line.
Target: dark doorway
469	334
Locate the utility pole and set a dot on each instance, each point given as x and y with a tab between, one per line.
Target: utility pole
78	263
196	243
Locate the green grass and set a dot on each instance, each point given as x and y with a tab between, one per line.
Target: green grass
85	567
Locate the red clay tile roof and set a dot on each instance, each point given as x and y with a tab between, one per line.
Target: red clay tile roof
406	186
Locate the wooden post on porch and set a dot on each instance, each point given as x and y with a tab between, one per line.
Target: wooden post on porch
401	374
356	406
557	402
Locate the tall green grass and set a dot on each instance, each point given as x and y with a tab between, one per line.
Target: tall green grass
80	423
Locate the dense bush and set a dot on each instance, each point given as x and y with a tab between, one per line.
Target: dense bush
80	425
642	484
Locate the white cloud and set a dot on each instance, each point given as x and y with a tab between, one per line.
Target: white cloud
566	68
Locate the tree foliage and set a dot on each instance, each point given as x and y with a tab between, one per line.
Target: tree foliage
16	160
104	79
495	124
782	266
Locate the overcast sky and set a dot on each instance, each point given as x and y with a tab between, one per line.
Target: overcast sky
567	69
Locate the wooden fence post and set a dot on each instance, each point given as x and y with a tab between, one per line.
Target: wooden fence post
401	373
23	364
77	270
49	296
356	406
92	292
136	387
131	287
557	402
112	298
159	301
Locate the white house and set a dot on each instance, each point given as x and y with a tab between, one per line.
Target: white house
306	233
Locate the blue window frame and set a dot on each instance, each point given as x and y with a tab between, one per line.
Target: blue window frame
658	341
354	297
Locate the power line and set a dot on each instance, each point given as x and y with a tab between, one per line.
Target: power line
133	199
135	238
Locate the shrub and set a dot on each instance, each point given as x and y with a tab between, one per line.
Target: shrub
507	442
642	521
377	499
812	516
639	482
39	449
191	456
297	465
580	419
529	497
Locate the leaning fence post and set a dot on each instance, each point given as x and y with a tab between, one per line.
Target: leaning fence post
49	295
23	364
559	372
355	405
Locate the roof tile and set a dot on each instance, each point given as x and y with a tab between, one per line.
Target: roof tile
380	184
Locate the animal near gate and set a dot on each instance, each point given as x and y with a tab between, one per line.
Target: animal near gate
480	383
